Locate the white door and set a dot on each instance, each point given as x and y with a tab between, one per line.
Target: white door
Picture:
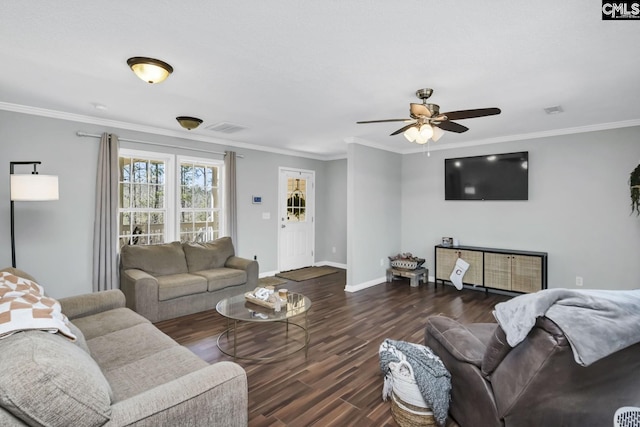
296	201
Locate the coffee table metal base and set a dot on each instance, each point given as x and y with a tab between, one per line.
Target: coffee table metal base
234	353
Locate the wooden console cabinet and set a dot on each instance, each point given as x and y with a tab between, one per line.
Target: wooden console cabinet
510	270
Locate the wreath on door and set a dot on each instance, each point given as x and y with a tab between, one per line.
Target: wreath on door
295	205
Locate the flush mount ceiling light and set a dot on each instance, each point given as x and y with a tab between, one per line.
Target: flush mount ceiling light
150	70
189	122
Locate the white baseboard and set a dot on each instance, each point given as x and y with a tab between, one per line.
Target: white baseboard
365	285
268	274
331	264
317	264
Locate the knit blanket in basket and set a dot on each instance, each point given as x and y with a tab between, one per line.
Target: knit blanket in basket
432	378
23	306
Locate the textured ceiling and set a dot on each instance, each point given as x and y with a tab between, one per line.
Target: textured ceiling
299	74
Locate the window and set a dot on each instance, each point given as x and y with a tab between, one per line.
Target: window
153	204
296	199
199	201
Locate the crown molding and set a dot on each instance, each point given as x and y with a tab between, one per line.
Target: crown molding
43	112
60	115
533	135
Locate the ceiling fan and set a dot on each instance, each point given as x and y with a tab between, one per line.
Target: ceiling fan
427	122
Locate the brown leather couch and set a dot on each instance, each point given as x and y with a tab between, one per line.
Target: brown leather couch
537	383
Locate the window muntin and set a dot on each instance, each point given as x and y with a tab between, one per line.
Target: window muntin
296	200
158	204
199	208
142	190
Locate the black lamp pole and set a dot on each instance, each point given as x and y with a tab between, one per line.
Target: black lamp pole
13	241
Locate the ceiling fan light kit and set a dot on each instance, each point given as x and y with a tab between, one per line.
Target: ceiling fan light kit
427	123
149	69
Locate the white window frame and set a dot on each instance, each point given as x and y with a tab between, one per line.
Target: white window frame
172	199
222	231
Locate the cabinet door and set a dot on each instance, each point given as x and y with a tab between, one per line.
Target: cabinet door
497	271
526	273
445	260
473	276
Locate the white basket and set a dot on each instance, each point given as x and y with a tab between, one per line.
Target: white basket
408	407
405	385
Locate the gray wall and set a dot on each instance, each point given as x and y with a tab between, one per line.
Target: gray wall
54	239
373	213
332	217
578	209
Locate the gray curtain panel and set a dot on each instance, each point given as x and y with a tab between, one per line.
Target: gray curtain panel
105	227
231	208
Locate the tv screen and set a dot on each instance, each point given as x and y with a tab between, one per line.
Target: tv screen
490	177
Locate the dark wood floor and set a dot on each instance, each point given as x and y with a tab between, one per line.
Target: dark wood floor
339	383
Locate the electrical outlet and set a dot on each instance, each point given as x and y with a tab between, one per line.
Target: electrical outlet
578	280
333	249
381	262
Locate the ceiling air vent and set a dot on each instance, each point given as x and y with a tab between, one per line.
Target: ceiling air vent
556	109
224	127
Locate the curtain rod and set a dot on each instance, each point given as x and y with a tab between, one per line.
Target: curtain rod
138	141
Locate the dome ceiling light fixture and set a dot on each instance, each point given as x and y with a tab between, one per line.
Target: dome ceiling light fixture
189	122
149	69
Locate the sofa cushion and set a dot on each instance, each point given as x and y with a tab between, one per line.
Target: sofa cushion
155	369
467	344
80	340
157	260
497	349
120	348
109	321
48	380
179	285
220	278
205	256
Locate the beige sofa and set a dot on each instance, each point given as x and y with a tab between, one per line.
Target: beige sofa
175	279
121	371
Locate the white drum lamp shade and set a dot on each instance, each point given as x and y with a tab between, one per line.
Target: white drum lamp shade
34	187
29	188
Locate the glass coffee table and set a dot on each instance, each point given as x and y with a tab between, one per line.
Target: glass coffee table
238	309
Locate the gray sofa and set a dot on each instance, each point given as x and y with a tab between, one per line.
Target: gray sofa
121	371
175	279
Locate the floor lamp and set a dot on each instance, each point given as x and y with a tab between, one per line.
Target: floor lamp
29	188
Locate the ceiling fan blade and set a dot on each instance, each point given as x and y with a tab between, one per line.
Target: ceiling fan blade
417	110
469	114
382	121
402	129
452	127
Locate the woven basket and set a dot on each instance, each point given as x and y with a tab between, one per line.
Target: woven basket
407	264
408	407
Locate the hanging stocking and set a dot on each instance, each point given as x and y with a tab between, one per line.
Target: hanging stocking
458	273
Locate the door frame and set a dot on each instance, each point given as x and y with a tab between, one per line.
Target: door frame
282	209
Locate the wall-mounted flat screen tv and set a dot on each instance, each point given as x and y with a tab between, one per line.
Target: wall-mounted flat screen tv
490	177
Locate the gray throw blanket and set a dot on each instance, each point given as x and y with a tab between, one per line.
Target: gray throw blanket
596	323
432	378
